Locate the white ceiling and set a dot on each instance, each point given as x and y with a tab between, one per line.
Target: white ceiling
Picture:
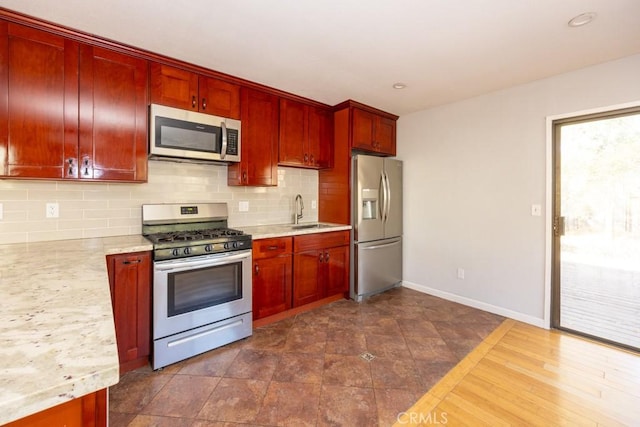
333	50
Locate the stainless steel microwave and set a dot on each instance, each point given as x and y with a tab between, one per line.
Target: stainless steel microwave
189	135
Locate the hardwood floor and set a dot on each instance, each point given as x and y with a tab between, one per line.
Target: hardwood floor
523	375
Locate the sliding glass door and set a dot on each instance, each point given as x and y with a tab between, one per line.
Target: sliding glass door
596	284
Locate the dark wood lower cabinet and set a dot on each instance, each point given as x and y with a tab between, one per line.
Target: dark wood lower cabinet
320	266
130	282
271	276
86	411
291	272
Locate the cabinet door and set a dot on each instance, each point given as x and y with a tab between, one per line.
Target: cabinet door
113	115
306	271
259	164
174	87
219	98
39	105
385	136
294	142
362	129
320	138
129	279
336	277
89	410
271	286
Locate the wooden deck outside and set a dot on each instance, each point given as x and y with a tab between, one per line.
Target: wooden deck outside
527	376
602	301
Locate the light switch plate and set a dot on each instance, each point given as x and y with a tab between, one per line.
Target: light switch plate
243	206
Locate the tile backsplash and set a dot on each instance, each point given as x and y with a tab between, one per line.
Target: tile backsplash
105	209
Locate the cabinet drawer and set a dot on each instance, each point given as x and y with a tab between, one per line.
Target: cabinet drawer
268	248
320	240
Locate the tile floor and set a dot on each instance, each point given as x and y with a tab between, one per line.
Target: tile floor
309	370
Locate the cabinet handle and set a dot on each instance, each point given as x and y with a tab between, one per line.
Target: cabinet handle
257	269
193	101
85	164
135	261
204	103
326	257
71	160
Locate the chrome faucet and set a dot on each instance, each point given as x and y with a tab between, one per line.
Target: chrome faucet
299	206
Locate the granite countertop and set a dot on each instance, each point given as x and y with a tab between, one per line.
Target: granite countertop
283	230
57	336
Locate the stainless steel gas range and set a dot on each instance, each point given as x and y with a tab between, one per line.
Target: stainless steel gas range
201	279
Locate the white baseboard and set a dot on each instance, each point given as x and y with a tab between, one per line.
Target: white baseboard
501	311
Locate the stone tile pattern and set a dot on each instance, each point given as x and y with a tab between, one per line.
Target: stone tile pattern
307	370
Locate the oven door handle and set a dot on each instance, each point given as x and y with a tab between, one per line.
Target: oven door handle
208	260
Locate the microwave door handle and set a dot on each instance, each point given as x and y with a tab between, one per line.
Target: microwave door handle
223	149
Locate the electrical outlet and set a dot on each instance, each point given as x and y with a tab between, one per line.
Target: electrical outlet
460	273
314	204
243	206
536	210
53	210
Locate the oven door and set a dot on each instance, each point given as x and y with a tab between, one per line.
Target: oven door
193	292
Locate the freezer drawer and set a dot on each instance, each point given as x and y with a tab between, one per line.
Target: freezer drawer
378	267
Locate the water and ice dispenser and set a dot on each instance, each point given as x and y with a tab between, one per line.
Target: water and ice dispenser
369	203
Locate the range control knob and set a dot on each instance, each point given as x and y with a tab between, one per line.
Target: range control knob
235	245
175	252
226	245
187	251
208	248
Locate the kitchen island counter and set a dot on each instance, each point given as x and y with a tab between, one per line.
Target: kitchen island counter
57	336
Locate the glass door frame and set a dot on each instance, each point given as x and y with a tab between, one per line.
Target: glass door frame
557	222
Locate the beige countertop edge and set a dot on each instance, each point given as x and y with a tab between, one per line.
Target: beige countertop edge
57	336
285	230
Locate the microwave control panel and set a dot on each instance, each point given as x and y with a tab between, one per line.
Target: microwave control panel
232	141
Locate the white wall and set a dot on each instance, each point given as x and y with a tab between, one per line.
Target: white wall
472	171
100	209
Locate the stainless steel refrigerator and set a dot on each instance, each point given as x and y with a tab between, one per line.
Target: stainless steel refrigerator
377	225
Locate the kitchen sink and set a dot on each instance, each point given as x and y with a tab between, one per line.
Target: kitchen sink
308	226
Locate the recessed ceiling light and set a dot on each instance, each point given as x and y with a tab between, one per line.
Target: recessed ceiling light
399	85
582	19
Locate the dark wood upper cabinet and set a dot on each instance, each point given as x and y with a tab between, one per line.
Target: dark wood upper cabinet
259	155
373	132
306	135
184	89
39	103
113	116
72	111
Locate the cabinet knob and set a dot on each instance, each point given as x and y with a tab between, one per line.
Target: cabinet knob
244	177
257	269
193	101
204	103
306	158
326	257
320	257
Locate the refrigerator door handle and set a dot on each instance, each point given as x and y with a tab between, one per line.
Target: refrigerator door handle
387	198
382	196
385	245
